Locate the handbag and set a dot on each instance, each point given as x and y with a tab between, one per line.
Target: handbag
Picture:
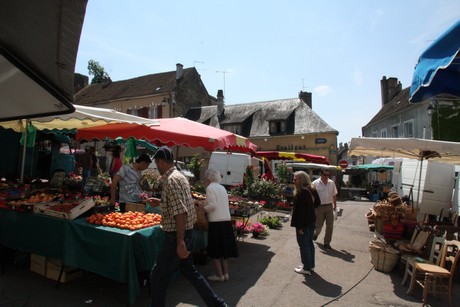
201	218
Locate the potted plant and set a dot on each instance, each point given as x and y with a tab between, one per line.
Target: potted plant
259	230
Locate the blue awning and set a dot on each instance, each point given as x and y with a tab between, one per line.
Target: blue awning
438	68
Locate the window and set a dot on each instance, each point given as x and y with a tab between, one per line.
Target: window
232	128
277	127
395	131
409	129
383	133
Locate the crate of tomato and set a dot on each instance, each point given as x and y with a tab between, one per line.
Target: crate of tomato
66	210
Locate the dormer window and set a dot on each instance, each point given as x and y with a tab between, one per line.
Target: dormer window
277	127
233	128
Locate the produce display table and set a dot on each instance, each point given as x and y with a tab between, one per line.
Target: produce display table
110	252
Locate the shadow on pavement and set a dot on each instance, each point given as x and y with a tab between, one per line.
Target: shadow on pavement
342	254
244	273
322	286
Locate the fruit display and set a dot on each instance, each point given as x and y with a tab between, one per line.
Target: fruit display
197	195
127	220
65	207
38	197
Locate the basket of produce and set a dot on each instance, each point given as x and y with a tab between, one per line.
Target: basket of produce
383	257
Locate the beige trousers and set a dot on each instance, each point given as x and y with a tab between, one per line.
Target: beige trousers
325	213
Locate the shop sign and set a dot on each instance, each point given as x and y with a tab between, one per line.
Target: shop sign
320	141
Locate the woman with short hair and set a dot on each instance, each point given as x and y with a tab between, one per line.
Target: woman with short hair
221	238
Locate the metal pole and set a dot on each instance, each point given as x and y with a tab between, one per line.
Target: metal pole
24	151
419	181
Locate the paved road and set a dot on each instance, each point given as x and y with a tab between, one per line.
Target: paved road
263	275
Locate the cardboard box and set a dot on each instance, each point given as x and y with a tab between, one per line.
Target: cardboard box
81	208
53	268
38	264
50	268
135	207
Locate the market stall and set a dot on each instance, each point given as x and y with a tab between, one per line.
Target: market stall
372	180
119	254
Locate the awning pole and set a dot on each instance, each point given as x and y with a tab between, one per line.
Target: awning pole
24	151
419	182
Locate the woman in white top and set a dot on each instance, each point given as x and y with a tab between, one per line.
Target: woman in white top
221	239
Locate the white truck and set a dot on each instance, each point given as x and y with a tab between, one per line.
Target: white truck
232	166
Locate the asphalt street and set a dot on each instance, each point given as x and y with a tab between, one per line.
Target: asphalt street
263	275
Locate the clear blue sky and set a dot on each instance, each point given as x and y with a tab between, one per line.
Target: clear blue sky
338	50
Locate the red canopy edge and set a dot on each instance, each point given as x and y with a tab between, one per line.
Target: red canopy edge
172	132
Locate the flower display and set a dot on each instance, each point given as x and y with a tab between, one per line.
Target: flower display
242	227
259	230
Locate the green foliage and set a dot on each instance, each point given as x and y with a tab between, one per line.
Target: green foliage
258	189
282	172
272	222
98	72
195	163
444	122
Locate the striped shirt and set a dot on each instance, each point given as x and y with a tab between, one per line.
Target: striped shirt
176	198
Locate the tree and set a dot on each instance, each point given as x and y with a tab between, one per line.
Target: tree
98	72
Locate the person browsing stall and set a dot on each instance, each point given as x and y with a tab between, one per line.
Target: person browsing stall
178	219
128	179
328	194
306	199
221	238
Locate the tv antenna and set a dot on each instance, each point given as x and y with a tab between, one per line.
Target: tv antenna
223	72
194	62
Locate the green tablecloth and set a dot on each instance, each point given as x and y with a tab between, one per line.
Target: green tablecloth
111	252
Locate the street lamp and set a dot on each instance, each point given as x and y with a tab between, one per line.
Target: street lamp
429	111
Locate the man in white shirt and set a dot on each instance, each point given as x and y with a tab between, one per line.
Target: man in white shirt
325	212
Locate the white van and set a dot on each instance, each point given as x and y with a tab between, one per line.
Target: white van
436	182
232	166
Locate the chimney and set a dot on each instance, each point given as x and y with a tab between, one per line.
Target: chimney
306	97
79	82
179	71
220	102
389	89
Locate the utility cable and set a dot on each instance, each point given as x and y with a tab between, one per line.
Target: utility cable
343	294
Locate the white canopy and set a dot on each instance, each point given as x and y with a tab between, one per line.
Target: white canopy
413	148
83	117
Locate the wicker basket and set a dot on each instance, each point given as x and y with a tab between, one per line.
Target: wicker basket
395	201
383	257
201	219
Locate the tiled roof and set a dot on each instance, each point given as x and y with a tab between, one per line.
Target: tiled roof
399	103
206	115
297	114
148	85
